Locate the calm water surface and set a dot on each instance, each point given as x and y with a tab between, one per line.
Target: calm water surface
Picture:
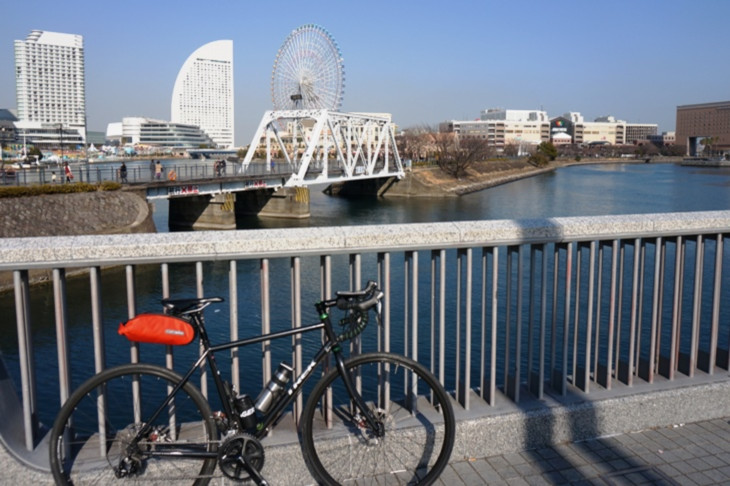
574	191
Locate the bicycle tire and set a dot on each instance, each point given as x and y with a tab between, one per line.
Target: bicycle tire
81	451
419	434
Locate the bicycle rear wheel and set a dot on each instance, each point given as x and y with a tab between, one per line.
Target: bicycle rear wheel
416	412
91	439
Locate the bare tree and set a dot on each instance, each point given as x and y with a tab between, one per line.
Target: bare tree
456	154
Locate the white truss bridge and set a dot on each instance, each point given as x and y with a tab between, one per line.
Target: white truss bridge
322	146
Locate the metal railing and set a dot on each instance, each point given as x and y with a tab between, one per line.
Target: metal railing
499	310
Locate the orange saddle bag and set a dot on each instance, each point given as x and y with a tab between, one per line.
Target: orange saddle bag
158	329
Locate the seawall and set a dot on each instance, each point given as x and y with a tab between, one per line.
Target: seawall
87	213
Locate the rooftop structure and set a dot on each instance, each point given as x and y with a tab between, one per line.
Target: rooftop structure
203	92
49	79
514	115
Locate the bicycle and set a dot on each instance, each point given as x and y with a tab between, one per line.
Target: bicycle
373	417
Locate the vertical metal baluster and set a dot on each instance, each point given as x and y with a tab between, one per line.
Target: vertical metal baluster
619	311
676	309
586	381
165	274
566	320
233	322
543	323
655	311
457	330
696	305
518	330
433	312
414	332
133	346
576	317
384	278
407	264
264	269
442	317
356	284
508	323
660	305
97	324
325	292
25	356
599	303
169	362
716	300
640	308
200	292
531	321
492	385
610	362
483	393
554	324
61	314
465	385
296	316
631	371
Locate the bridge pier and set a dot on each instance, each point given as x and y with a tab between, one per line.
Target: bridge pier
284	202
206	212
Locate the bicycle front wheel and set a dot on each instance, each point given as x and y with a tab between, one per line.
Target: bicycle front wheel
92	440
407	400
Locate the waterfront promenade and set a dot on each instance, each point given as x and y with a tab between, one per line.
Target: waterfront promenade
695	453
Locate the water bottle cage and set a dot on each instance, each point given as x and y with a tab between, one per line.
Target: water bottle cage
355	322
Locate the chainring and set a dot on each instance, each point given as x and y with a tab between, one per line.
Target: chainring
231	453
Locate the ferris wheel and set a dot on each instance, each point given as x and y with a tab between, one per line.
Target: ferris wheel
309	72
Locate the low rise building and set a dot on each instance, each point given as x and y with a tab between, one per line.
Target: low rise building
157	133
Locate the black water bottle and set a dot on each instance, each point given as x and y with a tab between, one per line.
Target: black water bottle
246	410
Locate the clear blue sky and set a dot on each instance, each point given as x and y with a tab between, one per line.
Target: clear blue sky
423	61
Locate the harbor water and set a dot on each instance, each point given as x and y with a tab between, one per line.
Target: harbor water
585	190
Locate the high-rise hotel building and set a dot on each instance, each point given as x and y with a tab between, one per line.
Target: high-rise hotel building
203	92
50	82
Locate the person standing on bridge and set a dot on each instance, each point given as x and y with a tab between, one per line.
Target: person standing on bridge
123	173
158	170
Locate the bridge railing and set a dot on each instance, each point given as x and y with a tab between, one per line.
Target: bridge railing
500	311
143	174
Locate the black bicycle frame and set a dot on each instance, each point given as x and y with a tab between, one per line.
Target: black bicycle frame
330	345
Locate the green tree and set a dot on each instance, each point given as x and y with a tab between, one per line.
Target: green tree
548	150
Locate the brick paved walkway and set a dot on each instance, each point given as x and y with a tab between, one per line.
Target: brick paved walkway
692	454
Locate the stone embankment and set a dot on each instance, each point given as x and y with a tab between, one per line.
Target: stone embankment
88	213
433	182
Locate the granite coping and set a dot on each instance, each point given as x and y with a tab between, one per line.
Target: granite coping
44	252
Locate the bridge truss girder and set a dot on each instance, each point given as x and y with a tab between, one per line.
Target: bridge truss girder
361	146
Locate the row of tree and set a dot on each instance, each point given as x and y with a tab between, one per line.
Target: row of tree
454	154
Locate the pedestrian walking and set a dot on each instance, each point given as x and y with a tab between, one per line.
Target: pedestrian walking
123	173
158	170
67	172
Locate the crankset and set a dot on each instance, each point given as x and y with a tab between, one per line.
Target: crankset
241	457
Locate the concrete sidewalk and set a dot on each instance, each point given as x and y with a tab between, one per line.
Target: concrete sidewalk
684	454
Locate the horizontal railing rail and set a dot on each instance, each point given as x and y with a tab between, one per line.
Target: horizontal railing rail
498	310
